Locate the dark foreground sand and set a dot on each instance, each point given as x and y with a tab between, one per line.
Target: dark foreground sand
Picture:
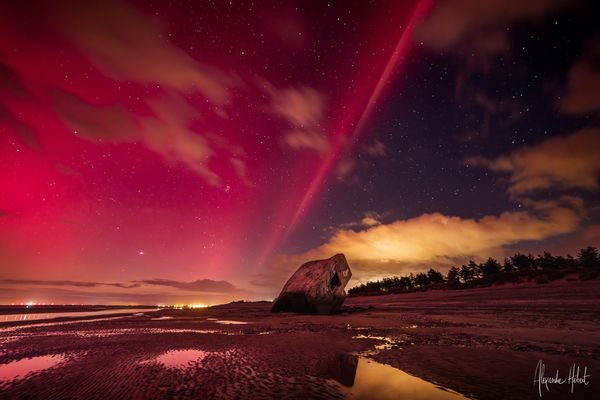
483	343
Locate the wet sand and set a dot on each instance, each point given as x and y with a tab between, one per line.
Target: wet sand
481	343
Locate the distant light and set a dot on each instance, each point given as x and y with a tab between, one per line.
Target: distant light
141	252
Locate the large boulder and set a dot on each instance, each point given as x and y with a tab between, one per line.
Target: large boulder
317	287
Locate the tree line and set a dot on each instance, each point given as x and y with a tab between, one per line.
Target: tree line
543	268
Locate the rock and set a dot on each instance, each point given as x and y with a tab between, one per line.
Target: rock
317	287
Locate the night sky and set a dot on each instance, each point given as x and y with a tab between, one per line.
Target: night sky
198	151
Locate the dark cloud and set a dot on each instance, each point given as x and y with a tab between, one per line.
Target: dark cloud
152	291
97	123
10	82
66	283
63	295
202	285
582	93
477	27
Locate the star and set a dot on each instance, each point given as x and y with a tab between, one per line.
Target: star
141	252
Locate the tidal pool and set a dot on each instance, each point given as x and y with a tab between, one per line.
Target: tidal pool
19	369
180	359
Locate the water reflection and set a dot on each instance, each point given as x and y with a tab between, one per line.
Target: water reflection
19	369
376	381
180	359
343	369
46	324
42	316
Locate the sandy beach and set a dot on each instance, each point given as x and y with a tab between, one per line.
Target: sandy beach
478	343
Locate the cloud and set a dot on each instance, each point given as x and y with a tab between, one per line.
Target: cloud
128	45
370	220
167	132
241	170
479	25
152	291
435	236
567	162
66	283
302	139
110	123
59	295
202	285
303	108
375	149
582	92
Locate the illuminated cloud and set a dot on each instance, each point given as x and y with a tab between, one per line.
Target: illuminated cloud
301	139
241	170
167	132
431	237
303	108
557	163
582	94
370	219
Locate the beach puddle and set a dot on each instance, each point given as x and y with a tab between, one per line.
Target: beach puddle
226	321
180	359
19	369
367	379
388	343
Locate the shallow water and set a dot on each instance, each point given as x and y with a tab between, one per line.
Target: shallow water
19	369
75	314
378	381
46	324
180	359
227	321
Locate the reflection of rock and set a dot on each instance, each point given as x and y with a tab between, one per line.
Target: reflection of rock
317	287
343	369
